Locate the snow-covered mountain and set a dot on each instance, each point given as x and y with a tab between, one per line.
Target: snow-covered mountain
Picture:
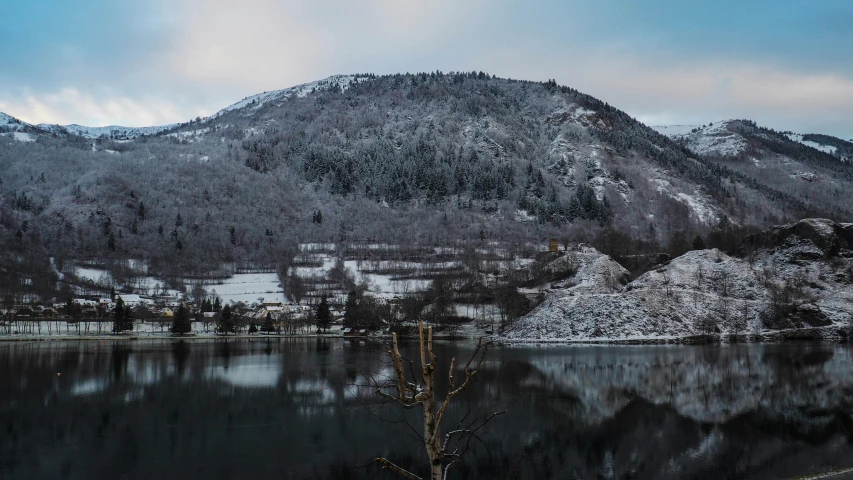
731	138
429	158
9	124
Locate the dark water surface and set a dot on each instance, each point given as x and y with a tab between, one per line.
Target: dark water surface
292	408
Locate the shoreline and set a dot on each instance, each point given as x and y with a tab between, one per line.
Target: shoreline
78	338
817	335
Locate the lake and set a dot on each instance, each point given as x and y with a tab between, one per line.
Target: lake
302	408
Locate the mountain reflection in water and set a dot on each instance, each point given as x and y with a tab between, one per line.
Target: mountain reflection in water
298	408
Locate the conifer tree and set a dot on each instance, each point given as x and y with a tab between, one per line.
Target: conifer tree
268	326
127	321
351	312
226	322
181	322
324	315
118	316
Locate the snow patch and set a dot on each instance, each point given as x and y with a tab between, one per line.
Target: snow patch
796	137
248	288
24	137
342	82
715	139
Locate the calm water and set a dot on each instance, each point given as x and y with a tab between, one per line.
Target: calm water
294	409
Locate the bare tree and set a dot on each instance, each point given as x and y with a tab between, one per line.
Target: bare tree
706	324
666	284
442	452
699	276
739	323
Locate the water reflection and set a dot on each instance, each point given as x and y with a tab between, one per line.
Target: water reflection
296	409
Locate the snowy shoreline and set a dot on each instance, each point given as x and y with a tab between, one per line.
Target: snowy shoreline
828	334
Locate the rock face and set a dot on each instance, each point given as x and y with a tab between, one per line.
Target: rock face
812	237
790	277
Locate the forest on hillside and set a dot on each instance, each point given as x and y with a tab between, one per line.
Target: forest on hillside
421	159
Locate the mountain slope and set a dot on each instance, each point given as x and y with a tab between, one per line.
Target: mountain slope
425	159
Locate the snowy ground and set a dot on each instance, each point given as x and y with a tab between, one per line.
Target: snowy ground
249	288
715	139
670	301
96	275
675	130
823	148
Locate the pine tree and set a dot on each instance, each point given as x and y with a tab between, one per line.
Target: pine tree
698	243
324	315
253	328
118	316
226	323
268	326
127	321
352	314
181	322
217	305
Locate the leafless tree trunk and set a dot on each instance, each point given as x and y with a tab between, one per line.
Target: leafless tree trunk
444	454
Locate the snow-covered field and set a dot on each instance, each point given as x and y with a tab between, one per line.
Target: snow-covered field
823	148
249	288
96	275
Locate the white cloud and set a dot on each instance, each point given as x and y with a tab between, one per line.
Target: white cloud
211	53
69	105
255	45
665	92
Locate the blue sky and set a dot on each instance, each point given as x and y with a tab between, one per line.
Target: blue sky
786	64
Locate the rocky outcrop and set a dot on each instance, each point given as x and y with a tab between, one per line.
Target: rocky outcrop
789	277
807	239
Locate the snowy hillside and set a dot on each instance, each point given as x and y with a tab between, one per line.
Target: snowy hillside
7	122
427	159
336	82
719	138
675	131
112	131
789	277
823	148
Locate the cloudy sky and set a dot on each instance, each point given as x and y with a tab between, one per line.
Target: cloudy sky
787	64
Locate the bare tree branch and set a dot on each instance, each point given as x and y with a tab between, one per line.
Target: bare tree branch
410	395
388	465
